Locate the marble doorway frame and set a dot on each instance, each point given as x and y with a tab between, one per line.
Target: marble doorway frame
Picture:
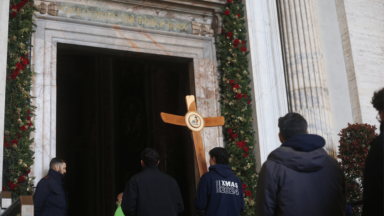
52	30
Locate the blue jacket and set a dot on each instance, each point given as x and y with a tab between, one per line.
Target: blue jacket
219	193
300	178
50	198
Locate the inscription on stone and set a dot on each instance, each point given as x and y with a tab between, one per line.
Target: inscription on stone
97	14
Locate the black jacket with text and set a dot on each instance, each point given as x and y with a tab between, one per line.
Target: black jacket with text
300	178
152	193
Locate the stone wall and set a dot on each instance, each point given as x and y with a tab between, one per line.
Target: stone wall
362	30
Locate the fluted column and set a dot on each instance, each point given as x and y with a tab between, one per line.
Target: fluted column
304	67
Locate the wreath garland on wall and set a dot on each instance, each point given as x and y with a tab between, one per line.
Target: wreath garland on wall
236	98
18	156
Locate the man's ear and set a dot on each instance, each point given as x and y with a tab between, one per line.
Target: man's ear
158	162
142	163
213	158
281	138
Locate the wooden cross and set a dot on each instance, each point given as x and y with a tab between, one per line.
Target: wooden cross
195	122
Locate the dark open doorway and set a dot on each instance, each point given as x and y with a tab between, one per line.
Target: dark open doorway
108	111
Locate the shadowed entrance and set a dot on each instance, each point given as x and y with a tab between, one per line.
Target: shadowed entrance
108	111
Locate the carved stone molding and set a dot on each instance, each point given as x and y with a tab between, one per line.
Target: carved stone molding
52	8
42	8
202	29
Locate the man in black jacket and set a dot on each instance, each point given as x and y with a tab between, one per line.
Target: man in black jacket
373	173
151	192
300	178
50	198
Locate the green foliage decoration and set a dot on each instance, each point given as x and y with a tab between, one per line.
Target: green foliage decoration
18	156
353	150
236	98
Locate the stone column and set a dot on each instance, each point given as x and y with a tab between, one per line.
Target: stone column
4	16
304	66
267	72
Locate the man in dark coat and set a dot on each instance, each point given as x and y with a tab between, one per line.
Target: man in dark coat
151	192
373	203
220	192
300	178
50	198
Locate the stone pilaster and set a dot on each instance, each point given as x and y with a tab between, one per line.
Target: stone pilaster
4	16
267	72
304	66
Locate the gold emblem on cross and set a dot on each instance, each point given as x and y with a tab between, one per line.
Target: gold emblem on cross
196	123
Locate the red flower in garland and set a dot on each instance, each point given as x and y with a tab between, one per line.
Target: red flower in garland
28	112
245	155
13	76
22	3
244	186
28	171
227	12
231	82
244	42
239	96
29	118
13	14
222	31
23	128
229	1
4	188
238	15
246	149
21	179
237	86
234	136
243	49
18	136
230	131
16	72
249	193
248	102
245	95
14	142
239	144
9	184
6	145
19	66
236	42
25	61
30	124
13	186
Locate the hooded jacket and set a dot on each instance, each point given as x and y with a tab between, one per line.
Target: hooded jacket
300	178
373	193
219	193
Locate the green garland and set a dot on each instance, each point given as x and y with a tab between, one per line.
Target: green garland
18	157
236	98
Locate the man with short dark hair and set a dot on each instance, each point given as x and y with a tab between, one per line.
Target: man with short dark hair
50	197
152	192
299	177
219	192
373	172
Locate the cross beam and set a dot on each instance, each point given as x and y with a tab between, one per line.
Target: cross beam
196	123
